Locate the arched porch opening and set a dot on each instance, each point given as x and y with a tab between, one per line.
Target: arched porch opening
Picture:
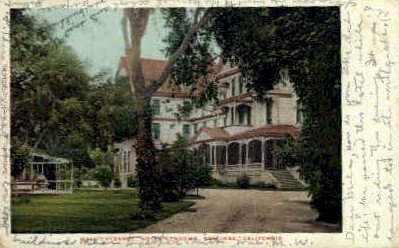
255	151
221	155
233	153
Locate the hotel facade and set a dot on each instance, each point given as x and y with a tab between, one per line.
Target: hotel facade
235	136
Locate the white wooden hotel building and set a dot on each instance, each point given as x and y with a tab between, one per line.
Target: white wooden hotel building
235	136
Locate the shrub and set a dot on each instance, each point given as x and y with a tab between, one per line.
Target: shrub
117	183
132	182
263	185
243	181
104	175
19	157
285	152
181	170
103	170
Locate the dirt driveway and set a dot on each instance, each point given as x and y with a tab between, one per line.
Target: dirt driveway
245	211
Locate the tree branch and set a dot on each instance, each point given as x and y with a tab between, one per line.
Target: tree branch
124	32
182	48
138	19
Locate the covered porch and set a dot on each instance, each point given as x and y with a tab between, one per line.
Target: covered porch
249	150
255	153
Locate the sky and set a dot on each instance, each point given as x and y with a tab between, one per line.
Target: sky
100	43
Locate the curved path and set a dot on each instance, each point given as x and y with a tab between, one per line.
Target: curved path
245	211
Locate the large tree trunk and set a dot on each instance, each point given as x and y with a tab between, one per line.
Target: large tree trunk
147	166
135	21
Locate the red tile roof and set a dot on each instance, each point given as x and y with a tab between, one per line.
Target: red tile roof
271	131
215	133
153	68
268	131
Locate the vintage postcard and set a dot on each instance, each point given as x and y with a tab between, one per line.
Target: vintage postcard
199	123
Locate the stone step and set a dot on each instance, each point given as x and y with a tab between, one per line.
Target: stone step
287	181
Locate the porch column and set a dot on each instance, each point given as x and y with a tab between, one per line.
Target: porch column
210	155
239	154
227	153
215	159
263	146
247	157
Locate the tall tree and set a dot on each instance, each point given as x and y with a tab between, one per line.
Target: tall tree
56	105
306	41
186	28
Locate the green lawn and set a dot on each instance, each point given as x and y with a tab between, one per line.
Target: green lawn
83	212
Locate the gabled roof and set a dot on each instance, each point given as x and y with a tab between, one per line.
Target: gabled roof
214	133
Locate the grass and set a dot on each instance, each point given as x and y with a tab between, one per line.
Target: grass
84	212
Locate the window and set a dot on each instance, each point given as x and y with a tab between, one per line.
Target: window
124	162
204	124
156	107
128	162
186	109
225	120
241	84
186	130
233	87
195	125
214	123
269	109
156	130
232	116
298	112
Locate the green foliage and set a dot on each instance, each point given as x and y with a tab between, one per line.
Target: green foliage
117	182
104	175
243	181
306	41
66	111
132	182
103	170
101	158
19	156
195	64
286	153
181	170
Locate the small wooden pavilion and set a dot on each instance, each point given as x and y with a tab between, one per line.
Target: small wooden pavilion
45	175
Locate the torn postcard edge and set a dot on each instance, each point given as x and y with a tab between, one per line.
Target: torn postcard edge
370	103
